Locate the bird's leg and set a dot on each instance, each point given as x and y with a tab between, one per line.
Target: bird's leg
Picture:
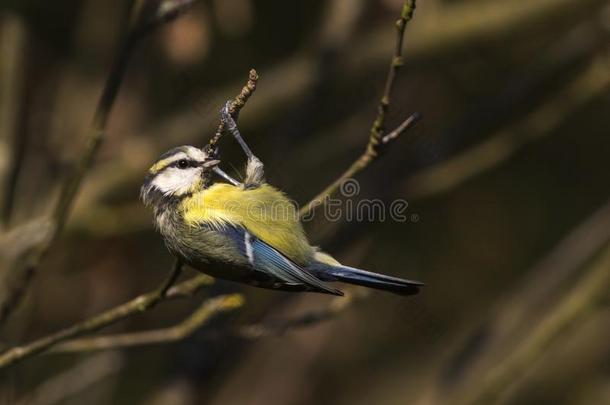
255	173
225	176
231	127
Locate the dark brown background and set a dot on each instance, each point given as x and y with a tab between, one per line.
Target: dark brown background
510	158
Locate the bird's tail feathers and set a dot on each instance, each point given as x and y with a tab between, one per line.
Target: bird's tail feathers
365	278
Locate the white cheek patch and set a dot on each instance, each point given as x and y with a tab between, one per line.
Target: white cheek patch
174	181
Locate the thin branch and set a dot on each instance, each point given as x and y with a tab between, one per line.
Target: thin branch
378	127
171	279
96	134
401	129
236	105
377	141
137	305
203	314
209	308
141	21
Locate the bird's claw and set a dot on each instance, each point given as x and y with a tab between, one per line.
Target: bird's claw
226	117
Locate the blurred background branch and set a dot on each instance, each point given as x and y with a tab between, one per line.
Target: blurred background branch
592	82
137	305
23	270
558	290
586	294
13	67
196	320
208	308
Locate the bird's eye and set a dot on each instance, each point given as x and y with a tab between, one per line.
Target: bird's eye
183	163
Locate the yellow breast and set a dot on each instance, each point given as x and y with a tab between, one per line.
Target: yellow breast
263	211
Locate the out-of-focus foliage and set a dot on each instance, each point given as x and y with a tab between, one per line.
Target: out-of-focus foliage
510	159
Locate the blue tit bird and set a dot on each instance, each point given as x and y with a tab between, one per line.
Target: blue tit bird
247	232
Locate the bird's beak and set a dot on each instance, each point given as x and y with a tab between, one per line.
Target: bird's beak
210	163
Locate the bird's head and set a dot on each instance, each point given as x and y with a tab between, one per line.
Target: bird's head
177	173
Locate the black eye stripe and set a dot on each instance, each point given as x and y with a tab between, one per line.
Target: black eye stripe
184	163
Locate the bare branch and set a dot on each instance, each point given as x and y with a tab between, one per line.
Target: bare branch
171	279
401	129
236	105
137	305
205	312
377	141
209	308
378	128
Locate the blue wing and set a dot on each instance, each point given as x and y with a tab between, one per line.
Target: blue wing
264	257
